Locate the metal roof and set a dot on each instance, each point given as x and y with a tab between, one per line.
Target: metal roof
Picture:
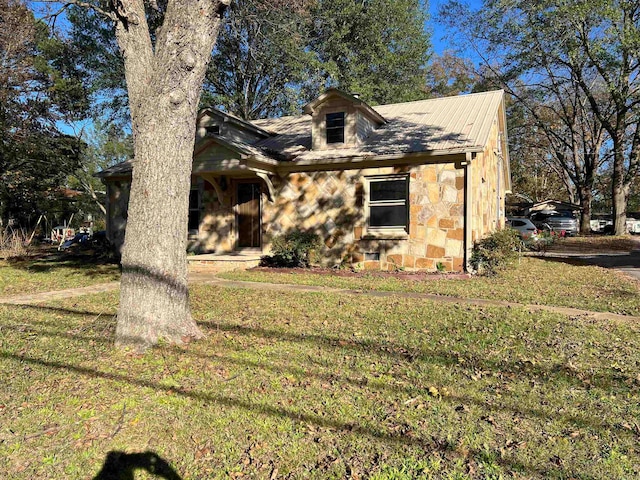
439	125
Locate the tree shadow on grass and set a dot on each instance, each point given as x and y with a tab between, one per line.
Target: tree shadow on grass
90	265
397	352
431	443
599	260
389	349
507	369
122	466
444	357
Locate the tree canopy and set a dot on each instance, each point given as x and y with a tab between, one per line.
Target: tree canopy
270	61
41	88
377	48
575	66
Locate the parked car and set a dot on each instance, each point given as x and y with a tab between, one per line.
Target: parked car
633	225
525	228
558	223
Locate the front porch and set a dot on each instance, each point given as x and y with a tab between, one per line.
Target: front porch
224	262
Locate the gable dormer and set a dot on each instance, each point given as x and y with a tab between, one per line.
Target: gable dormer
214	123
340	120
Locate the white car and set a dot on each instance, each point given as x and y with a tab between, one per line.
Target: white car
633	225
525	227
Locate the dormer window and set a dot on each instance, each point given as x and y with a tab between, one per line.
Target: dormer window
213	130
335	127
340	120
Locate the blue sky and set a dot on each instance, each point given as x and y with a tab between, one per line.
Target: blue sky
440	35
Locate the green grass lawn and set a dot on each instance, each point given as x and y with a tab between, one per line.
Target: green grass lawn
532	280
309	385
44	274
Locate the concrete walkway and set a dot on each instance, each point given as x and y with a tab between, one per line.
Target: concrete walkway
425	296
625	262
210	279
41	297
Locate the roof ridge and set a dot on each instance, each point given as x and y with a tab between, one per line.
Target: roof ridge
275	119
441	98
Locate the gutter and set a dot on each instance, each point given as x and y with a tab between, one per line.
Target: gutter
354	162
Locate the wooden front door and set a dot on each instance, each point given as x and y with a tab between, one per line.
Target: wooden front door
248	215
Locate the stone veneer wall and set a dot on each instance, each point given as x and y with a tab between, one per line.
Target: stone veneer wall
332	205
217	232
487	209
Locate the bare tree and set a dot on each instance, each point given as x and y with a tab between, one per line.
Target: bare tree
589	49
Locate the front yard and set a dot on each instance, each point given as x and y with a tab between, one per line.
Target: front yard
545	281
291	385
45	272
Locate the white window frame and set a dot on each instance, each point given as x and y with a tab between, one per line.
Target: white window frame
395	231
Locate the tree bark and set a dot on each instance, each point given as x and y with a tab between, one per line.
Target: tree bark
164	82
619	193
585	214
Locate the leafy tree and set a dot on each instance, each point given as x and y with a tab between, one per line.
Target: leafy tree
571	136
606	34
166	47
449	74
105	145
260	60
270	62
41	87
377	48
535	176
97	55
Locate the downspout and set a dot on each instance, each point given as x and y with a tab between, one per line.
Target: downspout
499	192
468	228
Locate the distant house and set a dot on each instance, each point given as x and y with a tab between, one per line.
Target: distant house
409	185
555	206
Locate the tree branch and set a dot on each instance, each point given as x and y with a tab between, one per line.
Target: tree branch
80	3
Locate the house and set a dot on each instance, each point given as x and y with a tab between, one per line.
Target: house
409	185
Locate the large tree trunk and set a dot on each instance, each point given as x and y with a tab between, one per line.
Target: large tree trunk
164	83
618	190
619	202
585	214
154	296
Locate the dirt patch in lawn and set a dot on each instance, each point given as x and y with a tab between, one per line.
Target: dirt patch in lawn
416	276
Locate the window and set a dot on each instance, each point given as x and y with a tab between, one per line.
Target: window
194	210
213	129
335	127
388	202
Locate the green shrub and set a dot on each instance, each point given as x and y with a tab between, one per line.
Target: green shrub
293	249
495	252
